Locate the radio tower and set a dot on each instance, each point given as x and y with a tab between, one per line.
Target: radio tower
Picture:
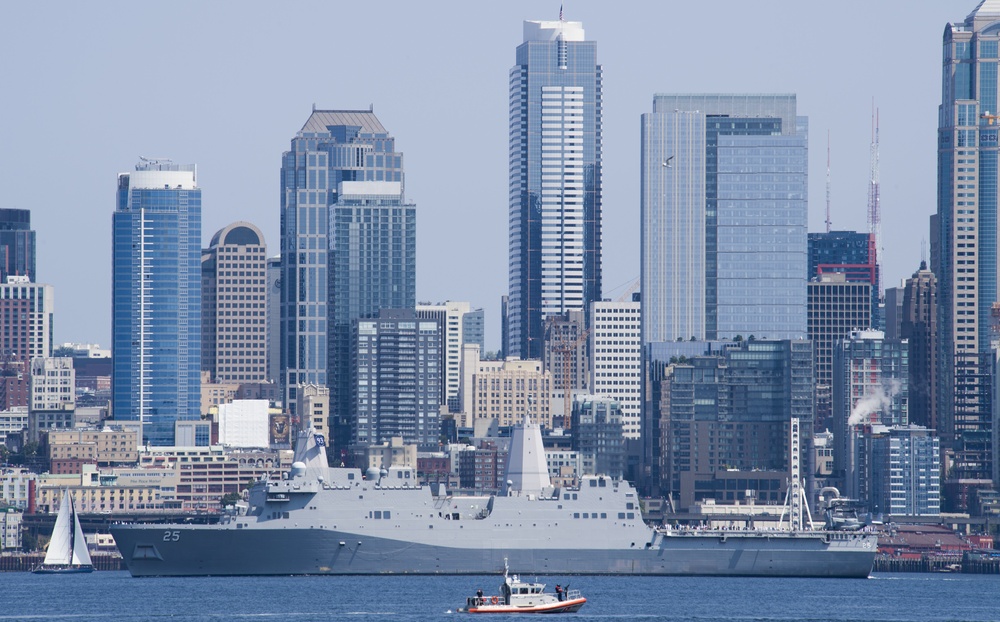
828	223
874	207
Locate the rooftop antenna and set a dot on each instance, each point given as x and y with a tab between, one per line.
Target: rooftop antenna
828	223
923	251
874	200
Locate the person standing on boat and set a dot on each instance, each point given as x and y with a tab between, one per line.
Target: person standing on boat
559	592
479	595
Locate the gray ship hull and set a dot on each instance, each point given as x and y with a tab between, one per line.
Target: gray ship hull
203	550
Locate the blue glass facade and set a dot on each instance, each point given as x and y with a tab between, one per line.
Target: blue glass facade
334	146
761	230
156	305
850	253
373	246
17	244
964	236
555	181
905	473
723	216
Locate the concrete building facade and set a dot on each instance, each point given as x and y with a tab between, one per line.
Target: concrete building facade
234	305
616	359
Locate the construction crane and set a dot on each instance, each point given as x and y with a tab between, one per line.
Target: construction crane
567	350
627	296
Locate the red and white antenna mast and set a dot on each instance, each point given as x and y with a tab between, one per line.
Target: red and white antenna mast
828	223
874	201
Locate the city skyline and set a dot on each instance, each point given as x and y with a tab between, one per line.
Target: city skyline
236	78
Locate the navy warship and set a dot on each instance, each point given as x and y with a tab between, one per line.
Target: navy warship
316	520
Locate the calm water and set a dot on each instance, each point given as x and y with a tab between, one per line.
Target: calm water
117	596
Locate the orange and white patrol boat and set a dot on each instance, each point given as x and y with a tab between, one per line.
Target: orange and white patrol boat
518	596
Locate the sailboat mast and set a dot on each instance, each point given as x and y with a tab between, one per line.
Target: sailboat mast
72	533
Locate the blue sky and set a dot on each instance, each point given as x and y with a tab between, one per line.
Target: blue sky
89	87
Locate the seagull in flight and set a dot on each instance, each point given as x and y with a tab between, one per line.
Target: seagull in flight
667	163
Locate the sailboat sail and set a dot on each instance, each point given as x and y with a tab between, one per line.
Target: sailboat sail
67	552
60	549
80	554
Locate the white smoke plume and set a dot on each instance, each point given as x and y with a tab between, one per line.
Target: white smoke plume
874	403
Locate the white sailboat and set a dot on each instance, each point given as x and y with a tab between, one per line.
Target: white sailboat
67	552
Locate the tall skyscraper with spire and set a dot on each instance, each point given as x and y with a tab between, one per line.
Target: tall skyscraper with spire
348	247
964	248
156	304
555	180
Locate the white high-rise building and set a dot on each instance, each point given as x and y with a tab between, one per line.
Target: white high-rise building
451	316
555	180
53	383
616	358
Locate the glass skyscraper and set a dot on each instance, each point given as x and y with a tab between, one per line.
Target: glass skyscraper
17	244
555	181
723	216
851	253
348	246
156	305
373	247
964	241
